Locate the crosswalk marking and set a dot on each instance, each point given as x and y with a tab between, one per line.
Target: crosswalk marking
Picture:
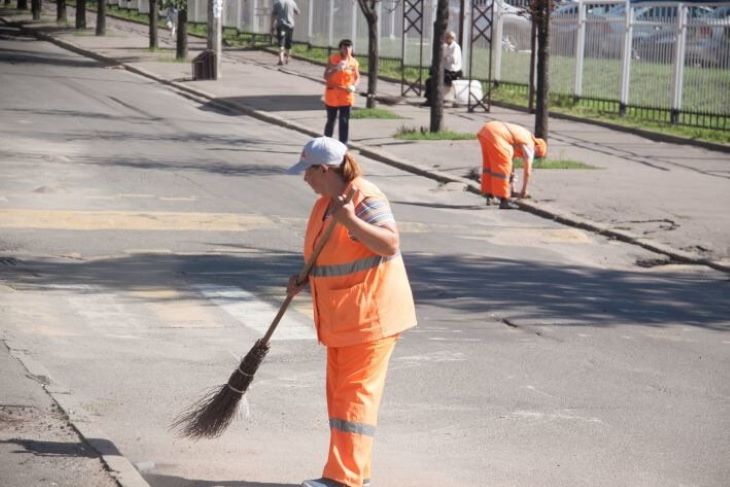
257	314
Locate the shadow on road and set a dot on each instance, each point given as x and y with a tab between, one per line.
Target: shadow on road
568	295
278	103
51	448
156	480
13	56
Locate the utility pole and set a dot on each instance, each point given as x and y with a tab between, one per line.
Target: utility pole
215	33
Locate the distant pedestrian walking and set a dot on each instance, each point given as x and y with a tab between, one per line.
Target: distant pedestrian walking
171	20
501	142
341	78
282	26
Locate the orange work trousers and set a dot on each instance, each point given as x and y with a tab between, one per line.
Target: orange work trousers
497	154
355	380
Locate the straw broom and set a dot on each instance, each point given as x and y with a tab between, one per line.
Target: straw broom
212	414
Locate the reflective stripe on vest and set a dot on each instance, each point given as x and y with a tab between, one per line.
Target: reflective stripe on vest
350	267
352	427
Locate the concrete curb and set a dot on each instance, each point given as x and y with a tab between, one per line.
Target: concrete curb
379	155
118	466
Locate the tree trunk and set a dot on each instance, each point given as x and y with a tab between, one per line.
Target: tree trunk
369	10
181	50
61	16
35	7
373	62
462	7
100	17
153	25
533	46
543	56
437	65
22	5
80	14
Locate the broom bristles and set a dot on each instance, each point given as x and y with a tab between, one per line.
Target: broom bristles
212	414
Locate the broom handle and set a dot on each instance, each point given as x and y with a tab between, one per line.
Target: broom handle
305	271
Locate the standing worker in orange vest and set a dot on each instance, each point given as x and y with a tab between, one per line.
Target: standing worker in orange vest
341	76
362	302
501	142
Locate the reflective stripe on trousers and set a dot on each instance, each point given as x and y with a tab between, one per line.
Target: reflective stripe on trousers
497	175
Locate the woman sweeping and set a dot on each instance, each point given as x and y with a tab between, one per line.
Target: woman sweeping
362	302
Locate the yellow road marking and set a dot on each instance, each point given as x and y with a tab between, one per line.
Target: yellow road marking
534	236
177	309
130	220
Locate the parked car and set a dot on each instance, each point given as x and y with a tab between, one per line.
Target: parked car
516	25
711	48
704	44
564	29
649	23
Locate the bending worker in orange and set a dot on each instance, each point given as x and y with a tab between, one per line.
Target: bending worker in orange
362	302
501	142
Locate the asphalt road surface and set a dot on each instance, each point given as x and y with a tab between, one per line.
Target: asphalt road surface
145	242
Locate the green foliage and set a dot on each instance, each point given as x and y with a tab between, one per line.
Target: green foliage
178	4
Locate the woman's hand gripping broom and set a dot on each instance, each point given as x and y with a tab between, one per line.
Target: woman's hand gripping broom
212	414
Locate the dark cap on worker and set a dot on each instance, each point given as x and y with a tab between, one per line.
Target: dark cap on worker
318	152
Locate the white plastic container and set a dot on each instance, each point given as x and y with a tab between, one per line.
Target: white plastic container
461	91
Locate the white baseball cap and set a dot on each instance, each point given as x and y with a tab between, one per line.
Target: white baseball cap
317	152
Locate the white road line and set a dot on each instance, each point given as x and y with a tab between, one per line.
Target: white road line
256	314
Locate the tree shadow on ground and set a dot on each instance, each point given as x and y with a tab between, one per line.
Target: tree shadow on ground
15	56
82	114
247	158
278	103
238	169
570	295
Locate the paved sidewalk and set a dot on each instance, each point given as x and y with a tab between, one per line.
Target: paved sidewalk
38	443
670	198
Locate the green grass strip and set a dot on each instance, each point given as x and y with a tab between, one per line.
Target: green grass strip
566	105
378	113
410	133
555	164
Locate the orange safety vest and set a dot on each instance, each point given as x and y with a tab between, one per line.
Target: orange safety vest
337	93
358	295
501	142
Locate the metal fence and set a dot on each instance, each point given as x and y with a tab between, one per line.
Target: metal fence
664	61
661	60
